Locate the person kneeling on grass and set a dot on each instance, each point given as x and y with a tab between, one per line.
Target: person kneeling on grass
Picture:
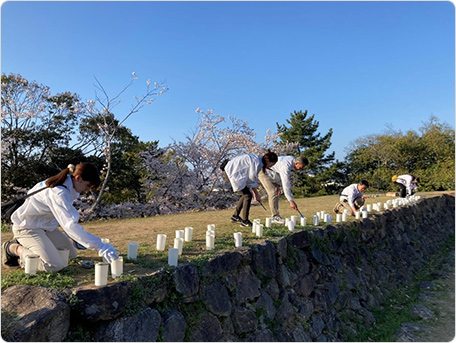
35	223
242	172
352	197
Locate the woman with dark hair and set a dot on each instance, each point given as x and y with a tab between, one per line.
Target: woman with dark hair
242	172
35	223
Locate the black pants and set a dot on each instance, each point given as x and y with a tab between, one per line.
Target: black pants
243	203
403	190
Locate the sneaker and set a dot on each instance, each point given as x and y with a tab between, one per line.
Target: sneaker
235	219
246	223
7	259
278	220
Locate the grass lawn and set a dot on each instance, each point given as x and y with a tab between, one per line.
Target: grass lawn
145	230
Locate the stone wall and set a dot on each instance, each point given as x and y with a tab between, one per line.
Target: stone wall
313	285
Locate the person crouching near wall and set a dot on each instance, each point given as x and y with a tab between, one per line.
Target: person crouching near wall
352	197
35	223
242	172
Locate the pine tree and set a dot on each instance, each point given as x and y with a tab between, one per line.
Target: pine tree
321	174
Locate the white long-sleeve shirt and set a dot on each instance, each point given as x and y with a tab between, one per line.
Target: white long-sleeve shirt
52	207
283	168
406	180
242	171
350	193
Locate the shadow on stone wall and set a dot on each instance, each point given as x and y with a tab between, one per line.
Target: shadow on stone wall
313	285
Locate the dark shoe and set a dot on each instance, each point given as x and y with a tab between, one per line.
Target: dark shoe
246	223
235	219
337	207
7	259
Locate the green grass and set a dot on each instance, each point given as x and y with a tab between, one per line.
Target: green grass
53	280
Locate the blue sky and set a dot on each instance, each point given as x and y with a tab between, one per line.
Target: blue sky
358	66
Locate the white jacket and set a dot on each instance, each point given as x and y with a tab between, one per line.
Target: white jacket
52	207
243	171
350	193
283	168
406	180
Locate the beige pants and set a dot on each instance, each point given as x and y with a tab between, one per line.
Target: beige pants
270	184
46	244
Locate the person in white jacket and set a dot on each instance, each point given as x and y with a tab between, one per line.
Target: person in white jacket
352	197
242	172
408	184
35	223
280	175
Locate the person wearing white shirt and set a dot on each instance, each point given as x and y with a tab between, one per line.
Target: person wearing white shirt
35	223
242	172
280	175
352	197
407	183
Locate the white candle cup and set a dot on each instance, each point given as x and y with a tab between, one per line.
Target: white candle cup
316	220
132	250
188	234
101	274
369	208
180	234
303	221
338	218
344	216
257	220
290	225
161	242
345	211
364	214
179	244
117	267
328	219
65	254
259	230
210	240
238	239
286	222
322	215
173	254
294	219
31	264
211	227
357	215
268	222
254	227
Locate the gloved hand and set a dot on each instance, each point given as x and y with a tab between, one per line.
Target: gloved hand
107	251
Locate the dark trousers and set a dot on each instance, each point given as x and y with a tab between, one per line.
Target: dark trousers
243	203
403	190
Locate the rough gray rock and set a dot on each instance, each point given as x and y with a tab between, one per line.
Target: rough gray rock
40	314
102	303
142	327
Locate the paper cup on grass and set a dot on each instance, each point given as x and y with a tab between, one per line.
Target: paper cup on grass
31	264
101	274
117	267
161	242
132	250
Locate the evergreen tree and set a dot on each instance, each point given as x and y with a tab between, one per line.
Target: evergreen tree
323	175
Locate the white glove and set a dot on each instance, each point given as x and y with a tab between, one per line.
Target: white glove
107	252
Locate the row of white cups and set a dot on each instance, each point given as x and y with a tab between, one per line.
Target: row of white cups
186	235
